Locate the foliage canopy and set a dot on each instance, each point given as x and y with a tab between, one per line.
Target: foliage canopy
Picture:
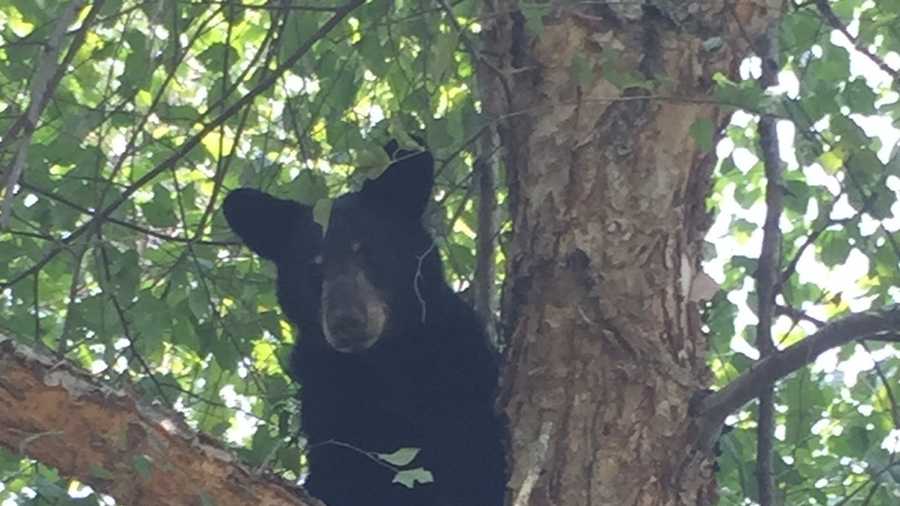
115	255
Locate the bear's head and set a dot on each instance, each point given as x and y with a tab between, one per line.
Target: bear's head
366	278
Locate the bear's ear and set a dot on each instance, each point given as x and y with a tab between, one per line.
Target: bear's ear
266	224
404	188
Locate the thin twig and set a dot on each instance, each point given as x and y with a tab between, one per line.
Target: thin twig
537	458
768	272
122	223
418	277
43	85
797	315
895	412
836	23
80	34
104	280
78	260
872	479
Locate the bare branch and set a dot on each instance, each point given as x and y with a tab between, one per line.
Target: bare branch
485	170
875	325
483	282
895	410
797	315
97	434
835	22
768	272
126	224
80	34
43	83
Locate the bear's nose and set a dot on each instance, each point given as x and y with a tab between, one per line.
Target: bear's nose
345	326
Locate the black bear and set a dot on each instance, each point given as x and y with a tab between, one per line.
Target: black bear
387	355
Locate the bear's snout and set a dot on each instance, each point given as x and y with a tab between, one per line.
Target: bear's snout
346	325
353	312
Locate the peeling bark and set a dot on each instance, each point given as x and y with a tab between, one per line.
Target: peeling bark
607	193
58	414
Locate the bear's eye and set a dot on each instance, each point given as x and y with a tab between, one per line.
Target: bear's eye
317	260
356	246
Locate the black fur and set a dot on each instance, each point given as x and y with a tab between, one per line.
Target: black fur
427	382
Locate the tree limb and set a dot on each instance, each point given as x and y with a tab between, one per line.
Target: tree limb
483	282
768	272
876	324
43	84
60	415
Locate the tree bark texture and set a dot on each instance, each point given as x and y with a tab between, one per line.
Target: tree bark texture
61	416
607	185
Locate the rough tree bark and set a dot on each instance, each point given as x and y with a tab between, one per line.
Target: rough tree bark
607	191
104	437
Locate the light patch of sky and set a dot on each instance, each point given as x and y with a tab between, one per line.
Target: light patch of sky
243	424
277	107
295	84
892	442
118	144
840	279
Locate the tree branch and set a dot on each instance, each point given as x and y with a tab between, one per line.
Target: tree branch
876	325
43	84
60	415
126	224
485	169
835	22
768	272
483	280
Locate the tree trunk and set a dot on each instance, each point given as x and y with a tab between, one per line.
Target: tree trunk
597	106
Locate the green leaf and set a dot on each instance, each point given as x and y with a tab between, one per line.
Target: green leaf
374	54
860	98
857	442
410	477
299	27
150	321
143	465
702	131
322	213
796	196
401	457
534	18
620	74
214	56
137	61
101	472
160	212
372	161
833	247
199	303
581	70
207	500
800	30
31	11
441	60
